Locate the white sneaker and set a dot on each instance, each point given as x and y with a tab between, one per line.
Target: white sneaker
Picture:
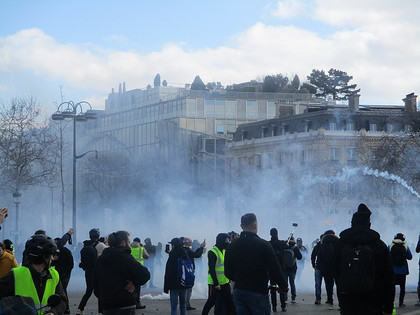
79	312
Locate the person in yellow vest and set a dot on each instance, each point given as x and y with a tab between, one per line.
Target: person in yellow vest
219	286
140	254
35	278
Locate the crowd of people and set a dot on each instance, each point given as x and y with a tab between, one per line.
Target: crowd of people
246	274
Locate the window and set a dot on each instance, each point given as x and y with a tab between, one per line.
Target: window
351	189
220	129
220	108
332	126
267	132
334	155
191	107
373	127
303	158
351	156
271	110
209	108
408	128
251	109
390	127
350	126
230	109
333	189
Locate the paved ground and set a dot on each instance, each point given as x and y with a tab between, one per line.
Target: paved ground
158	303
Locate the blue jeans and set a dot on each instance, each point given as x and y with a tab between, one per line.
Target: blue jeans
173	298
251	303
318	282
290	276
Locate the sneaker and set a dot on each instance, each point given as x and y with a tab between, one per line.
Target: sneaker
329	302
293	301
317	302
402	305
140	307
79	312
283	309
190	308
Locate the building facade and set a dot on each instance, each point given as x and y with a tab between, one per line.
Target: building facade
329	148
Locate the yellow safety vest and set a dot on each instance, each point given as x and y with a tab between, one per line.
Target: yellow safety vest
219	268
137	253
24	286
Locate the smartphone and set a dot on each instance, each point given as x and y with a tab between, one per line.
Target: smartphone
167	248
294	224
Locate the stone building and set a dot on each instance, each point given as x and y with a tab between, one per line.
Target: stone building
331	147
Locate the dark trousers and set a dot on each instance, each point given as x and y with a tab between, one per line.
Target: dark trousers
329	287
65	279
220	299
89	290
400	280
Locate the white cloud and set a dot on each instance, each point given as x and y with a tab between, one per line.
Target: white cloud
382	56
289	9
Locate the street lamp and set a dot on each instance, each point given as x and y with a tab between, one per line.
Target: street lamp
71	110
16	199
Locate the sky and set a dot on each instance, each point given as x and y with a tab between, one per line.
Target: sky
81	49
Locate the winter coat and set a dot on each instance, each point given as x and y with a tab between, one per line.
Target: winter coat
418	248
314	255
381	299
279	247
113	270
171	281
325	261
401	270
194	254
7	262
251	262
64	262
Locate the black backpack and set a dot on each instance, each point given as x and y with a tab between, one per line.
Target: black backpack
356	269
325	257
88	256
398	254
17	305
289	258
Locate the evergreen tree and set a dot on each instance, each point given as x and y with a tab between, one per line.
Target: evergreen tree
335	83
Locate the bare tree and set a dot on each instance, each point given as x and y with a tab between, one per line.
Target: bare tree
27	145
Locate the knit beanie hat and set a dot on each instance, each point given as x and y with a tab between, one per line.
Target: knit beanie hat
361	218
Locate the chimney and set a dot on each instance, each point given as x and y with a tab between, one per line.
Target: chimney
354	102
119	89
124	87
410	102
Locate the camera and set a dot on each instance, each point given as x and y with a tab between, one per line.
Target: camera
167	247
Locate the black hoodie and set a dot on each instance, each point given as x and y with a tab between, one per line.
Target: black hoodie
382	298
113	270
171	281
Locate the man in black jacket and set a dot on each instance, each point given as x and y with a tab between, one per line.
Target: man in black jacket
380	298
251	262
63	263
326	262
116	275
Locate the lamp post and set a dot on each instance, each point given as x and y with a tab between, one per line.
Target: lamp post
16	199
74	111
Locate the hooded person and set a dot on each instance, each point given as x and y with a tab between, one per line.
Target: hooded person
279	246
117	275
171	284
400	253
370	290
219	286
